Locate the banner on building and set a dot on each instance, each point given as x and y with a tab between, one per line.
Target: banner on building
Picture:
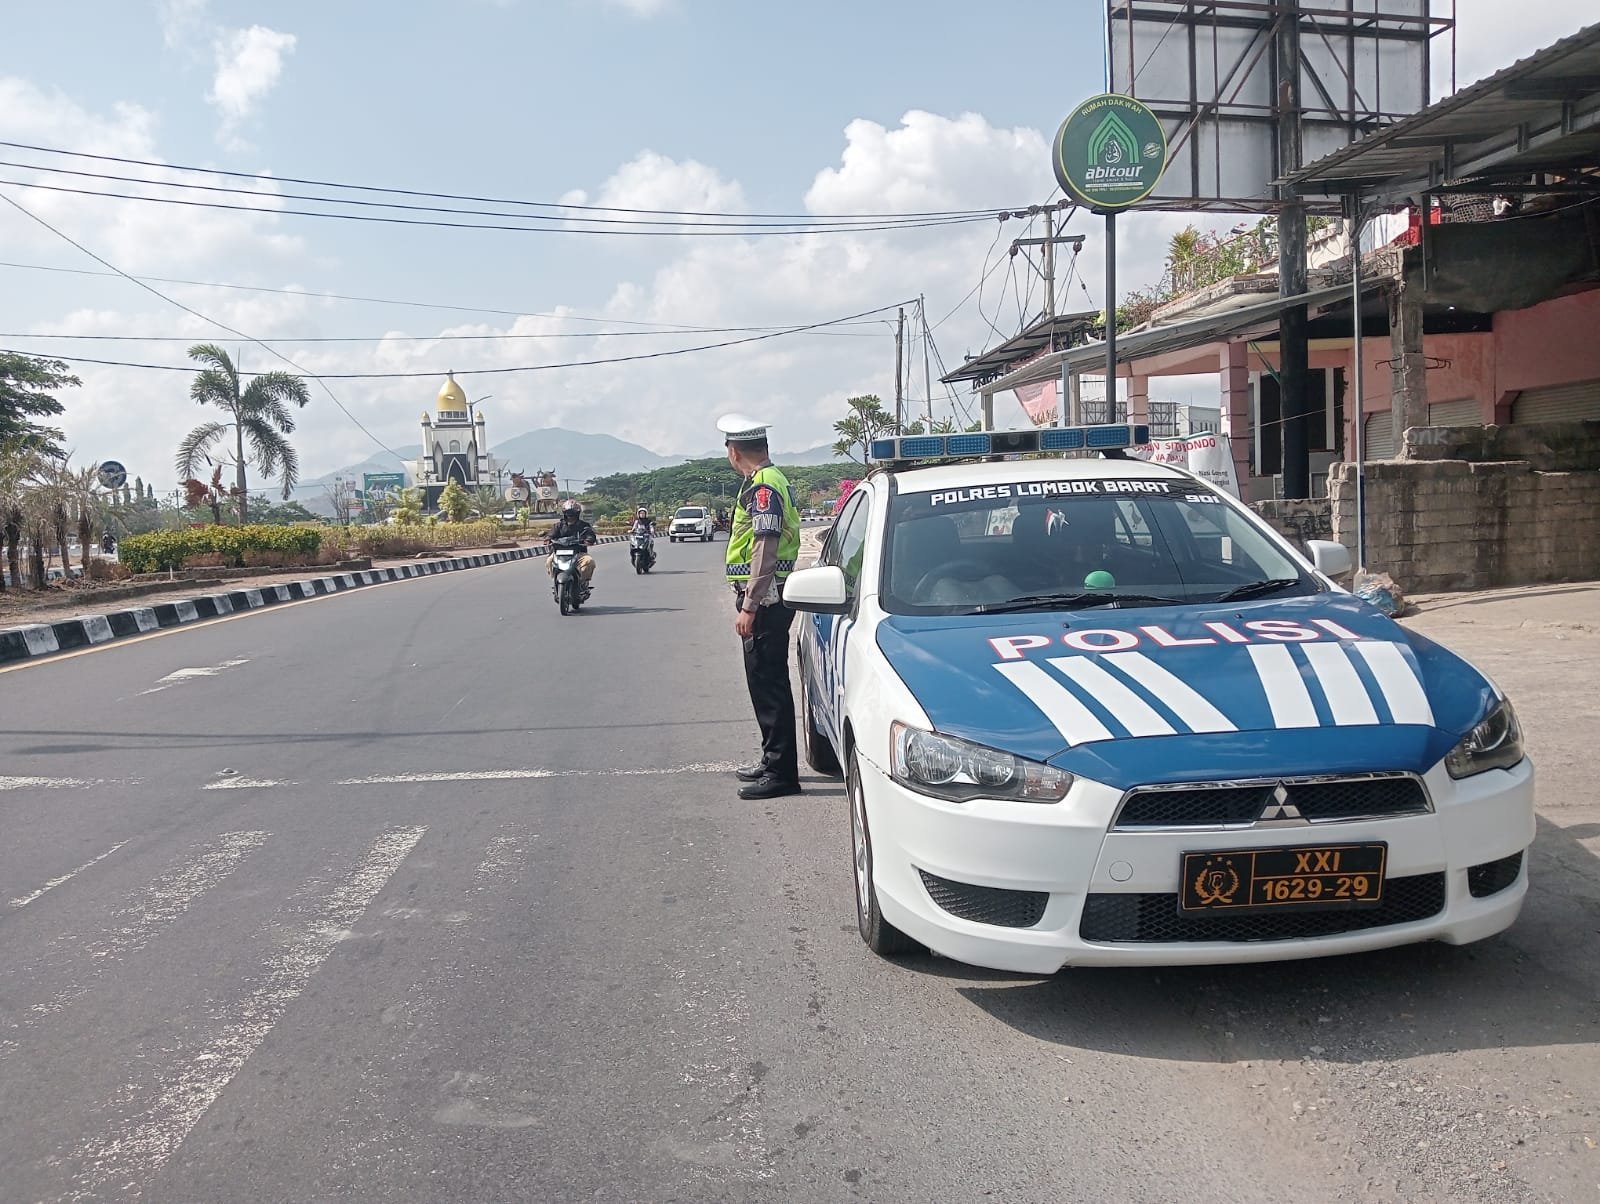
1209	457
1040	401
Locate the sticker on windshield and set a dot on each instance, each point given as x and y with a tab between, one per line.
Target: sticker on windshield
1021	490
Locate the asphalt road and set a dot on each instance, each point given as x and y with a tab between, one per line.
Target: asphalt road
425	893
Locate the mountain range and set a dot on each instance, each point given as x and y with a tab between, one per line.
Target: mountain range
574	456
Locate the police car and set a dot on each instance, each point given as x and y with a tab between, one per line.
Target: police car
1092	711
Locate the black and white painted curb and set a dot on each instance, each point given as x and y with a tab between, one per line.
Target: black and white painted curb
43	639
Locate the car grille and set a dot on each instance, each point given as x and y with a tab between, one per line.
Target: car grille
1156	919
1317	800
1492	877
987	904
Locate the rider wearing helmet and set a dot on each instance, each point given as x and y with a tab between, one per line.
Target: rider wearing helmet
643	521
572	525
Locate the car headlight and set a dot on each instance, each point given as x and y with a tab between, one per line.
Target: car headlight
1496	743
959	770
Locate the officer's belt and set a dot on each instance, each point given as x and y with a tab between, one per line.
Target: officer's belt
743	570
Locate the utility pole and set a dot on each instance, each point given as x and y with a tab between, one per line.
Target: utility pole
1049	262
899	362
1293	353
927	337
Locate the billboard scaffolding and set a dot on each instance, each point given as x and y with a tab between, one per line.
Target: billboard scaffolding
1209	71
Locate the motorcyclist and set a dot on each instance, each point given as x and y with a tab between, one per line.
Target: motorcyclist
572	525
642	521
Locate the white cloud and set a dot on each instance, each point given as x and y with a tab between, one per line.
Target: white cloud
669	404
653	181
182	21
641	8
1491	34
136	235
249	65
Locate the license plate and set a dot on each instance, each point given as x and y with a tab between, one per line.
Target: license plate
1324	877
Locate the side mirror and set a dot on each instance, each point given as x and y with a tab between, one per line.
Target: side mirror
819	590
1332	559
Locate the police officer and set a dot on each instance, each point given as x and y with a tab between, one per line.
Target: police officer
762	548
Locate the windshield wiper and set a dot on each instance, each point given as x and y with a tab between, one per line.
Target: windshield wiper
1070	602
1255	589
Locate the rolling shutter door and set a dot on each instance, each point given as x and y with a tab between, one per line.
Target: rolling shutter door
1558	403
1379	437
1456	413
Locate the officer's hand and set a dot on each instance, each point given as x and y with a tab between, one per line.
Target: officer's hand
745	624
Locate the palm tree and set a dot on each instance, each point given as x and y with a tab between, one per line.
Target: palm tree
258	414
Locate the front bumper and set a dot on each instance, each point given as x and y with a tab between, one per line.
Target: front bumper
1062	862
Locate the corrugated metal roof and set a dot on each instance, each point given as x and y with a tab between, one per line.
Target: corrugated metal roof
1542	113
1050	334
1179	336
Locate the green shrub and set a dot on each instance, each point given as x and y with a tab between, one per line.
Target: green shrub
160	550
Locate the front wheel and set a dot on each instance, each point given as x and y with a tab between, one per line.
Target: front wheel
882	937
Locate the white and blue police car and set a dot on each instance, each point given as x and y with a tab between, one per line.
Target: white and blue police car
1093	711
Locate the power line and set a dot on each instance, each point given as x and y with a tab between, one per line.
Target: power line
446	338
695	223
17	205
618	359
686	231
485	200
665	327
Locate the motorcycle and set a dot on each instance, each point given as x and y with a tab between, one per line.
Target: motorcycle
642	551
567	586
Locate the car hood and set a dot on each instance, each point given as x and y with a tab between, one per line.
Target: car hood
1317	684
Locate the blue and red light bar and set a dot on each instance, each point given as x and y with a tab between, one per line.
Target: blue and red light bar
1104	437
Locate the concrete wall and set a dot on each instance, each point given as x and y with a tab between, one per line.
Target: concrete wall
1552	343
1521	505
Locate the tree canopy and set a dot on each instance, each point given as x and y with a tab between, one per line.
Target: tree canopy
27	395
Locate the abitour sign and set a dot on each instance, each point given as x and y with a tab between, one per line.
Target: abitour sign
1109	153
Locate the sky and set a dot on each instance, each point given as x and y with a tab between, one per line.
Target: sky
714	106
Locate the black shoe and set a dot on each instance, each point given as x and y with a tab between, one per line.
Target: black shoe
768	786
750	773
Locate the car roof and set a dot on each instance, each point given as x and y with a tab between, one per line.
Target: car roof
970	472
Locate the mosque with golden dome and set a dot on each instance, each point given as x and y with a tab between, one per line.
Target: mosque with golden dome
455	447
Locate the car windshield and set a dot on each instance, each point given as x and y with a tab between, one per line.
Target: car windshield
1066	544
689	512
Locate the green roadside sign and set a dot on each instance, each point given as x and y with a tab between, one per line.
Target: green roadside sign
1110	152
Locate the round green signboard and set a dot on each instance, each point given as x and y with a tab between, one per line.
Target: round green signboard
1110	152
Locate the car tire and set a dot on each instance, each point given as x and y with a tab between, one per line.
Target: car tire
882	937
818	749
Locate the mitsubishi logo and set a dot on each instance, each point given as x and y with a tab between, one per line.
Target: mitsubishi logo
1279	810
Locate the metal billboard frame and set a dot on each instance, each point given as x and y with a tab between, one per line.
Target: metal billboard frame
1208	70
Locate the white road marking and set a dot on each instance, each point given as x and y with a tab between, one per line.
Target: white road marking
1286	690
512	775
1407	700
1076	722
245	784
178	676
24	900
156	906
26	783
122	1160
1341	685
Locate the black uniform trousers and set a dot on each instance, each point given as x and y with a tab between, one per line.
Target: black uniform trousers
766	671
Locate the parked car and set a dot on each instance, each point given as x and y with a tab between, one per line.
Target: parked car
1097	712
691	522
